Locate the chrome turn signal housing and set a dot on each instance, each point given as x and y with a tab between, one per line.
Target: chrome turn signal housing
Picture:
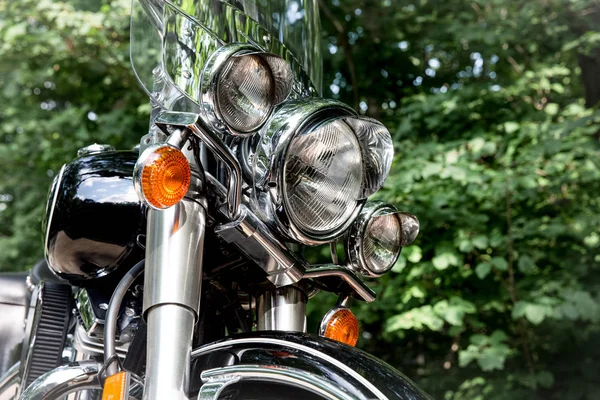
240	86
376	238
319	161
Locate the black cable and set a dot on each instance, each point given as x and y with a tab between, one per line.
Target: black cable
112	314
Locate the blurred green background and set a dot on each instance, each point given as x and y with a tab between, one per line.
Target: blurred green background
493	109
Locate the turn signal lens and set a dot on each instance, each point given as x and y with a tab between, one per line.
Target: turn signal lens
165	176
116	387
341	325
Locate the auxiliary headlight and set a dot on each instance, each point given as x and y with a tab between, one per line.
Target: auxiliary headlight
240	85
376	238
319	161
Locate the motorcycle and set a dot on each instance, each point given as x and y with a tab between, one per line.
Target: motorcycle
175	270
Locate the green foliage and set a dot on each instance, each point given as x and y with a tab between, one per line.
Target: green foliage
490	352
497	153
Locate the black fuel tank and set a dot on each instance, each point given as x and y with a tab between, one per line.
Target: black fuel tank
94	217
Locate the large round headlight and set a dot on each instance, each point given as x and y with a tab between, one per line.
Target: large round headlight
240	87
376	238
322	177
318	161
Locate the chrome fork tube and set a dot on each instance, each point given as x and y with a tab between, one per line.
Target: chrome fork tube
172	284
282	309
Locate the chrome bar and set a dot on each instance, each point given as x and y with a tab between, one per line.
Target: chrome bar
64	380
215	144
282	309
9	383
256	241
174	247
361	289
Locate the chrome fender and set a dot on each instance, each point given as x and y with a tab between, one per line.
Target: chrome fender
316	364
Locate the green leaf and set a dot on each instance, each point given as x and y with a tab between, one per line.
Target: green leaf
465	245
412	253
483	269
444	260
493	357
534	313
400	264
499	263
479	340
480	242
551	109
526	265
430	169
545	379
558	88
498	336
417	318
465	357
511	126
490	352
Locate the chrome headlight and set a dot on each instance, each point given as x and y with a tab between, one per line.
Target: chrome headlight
376	238
319	161
241	85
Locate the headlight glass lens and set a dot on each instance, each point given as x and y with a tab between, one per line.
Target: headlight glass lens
245	92
381	243
322	177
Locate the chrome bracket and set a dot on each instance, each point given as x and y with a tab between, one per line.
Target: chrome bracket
214	143
255	240
361	288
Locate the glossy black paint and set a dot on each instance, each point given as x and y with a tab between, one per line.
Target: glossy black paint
391	383
94	217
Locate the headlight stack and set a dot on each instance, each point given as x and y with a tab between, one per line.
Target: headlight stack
318	161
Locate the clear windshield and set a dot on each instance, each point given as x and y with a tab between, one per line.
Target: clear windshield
296	24
171	41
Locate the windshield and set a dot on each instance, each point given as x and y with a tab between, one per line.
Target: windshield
171	41
294	23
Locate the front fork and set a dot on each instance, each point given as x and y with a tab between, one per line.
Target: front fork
172	283
172	287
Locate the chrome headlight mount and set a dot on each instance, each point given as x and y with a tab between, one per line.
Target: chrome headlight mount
376	238
240	86
315	164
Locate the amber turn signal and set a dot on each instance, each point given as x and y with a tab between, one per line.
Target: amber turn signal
116	387
163	176
341	325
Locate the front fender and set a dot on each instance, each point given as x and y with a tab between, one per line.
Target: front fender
320	365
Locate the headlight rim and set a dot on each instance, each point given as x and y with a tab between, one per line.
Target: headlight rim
314	124
356	236
278	135
209	85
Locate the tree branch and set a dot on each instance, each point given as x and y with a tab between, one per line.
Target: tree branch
512	287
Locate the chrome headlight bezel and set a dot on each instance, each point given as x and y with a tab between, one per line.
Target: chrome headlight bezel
281	74
291	119
409	229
